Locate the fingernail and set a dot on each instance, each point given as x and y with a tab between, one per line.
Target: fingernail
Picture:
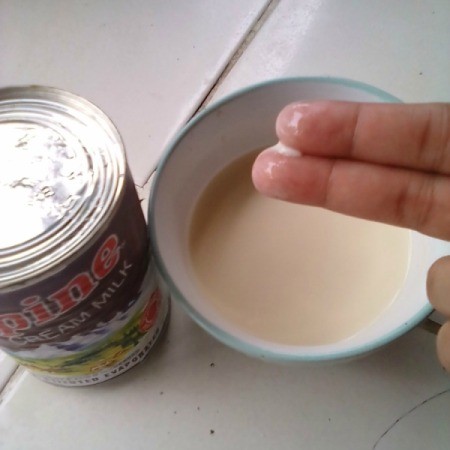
285	150
289	122
268	170
275	157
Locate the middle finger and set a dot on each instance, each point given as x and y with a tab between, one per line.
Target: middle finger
413	136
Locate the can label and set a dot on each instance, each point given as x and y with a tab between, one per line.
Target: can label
116	353
79	298
96	316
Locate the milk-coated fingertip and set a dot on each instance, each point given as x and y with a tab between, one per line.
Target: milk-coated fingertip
266	173
286	150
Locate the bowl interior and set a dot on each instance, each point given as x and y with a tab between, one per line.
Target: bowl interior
232	127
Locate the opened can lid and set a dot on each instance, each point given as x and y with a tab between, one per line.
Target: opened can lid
62	168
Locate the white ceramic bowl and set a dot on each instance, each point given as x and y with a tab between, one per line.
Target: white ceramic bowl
237	124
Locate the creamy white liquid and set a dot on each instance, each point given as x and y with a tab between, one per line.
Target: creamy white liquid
287	273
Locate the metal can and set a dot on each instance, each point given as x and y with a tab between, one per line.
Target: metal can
80	302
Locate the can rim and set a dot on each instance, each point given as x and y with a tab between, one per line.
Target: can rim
101	145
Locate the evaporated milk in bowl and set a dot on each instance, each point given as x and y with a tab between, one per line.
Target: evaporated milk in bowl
291	274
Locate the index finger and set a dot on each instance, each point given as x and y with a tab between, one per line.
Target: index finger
409	136
402	197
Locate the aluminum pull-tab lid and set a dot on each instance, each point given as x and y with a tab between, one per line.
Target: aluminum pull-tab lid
62	165
44	176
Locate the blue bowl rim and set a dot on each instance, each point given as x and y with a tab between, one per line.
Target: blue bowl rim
220	334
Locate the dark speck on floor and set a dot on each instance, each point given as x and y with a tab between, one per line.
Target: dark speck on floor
211	431
198	408
420	73
161	392
174	412
212	365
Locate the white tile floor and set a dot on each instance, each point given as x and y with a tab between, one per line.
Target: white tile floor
7	368
399	46
146	64
124	57
175	398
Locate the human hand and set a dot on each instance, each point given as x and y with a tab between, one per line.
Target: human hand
383	162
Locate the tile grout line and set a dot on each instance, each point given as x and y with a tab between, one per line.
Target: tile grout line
259	22
9	385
